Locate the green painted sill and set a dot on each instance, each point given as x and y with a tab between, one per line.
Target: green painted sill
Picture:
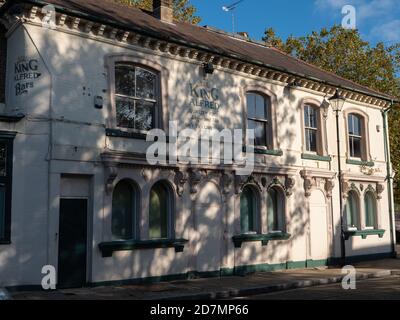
277	153
360	163
108	248
11	118
264	238
308	156
364	233
123	134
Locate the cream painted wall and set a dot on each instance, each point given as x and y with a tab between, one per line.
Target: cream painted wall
64	134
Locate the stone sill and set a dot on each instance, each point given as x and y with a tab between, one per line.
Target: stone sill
108	248
308	156
360	163
264	238
364	233
277	153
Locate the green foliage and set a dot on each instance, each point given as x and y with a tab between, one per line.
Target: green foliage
346	54
183	10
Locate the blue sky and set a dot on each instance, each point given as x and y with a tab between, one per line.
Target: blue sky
377	20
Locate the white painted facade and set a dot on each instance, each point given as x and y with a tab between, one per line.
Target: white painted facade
61	150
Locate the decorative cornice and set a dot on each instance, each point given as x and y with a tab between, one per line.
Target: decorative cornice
99	31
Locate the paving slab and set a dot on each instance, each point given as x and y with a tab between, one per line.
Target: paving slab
218	288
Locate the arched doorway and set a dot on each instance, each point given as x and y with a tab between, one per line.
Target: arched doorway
208	211
319	243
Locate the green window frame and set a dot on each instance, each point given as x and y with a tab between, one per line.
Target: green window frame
276	210
160	212
125	211
248	211
6	167
370	210
352	210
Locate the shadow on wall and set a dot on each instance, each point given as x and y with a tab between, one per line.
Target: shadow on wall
72	72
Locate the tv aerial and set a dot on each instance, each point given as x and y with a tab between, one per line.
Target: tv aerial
231	8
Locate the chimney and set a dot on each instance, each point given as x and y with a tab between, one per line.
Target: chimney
162	9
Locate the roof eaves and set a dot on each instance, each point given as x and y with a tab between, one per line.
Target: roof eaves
159	36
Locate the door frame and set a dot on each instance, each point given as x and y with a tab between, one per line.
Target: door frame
89	234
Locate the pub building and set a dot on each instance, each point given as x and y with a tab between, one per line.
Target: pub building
81	85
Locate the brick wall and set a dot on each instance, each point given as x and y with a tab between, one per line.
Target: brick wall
3	61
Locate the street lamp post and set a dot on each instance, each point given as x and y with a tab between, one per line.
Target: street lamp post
337	102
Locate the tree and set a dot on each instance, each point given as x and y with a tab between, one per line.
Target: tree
346	54
183	10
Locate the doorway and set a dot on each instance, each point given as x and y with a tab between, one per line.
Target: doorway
72	245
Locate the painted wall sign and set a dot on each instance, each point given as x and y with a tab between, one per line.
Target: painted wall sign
204	106
26	71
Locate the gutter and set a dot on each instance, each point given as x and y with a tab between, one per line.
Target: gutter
389	178
158	36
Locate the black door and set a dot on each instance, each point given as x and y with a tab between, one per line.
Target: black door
72	243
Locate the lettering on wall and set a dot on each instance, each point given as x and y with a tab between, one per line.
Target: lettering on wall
26	72
204	106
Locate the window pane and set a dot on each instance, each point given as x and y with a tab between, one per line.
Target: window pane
306	116
311	140
247	211
272	210
370	210
3	159
145	84
351	211
275	210
159	207
355	147
260	107
350	124
357	126
123	211
144	115
354	125
125	112
310	117
251	105
124	80
259	132
2	211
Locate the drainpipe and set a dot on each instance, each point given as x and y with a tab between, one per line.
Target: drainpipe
389	178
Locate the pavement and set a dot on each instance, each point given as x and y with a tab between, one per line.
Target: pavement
251	285
386	288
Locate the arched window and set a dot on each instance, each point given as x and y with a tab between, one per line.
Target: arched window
259	119
311	127
352	210
276	210
370	210
136	96
124	211
355	135
160	217
248	210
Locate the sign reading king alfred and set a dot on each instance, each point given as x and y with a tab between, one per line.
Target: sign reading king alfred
204	106
26	71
